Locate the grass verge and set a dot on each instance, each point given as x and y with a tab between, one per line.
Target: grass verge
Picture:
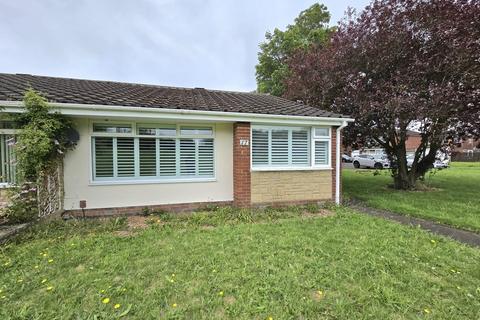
453	195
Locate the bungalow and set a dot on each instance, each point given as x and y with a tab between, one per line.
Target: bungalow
177	148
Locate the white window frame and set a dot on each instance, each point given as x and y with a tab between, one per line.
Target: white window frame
296	167
148	180
13	132
321	138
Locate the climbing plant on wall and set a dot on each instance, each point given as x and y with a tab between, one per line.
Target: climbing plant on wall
42	142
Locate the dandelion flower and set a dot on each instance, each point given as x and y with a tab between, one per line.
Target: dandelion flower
426	310
105	300
124	289
102	291
174	305
44	280
44	254
116	306
433	241
50	288
50	260
270	318
36	267
320	292
173	275
220	293
172	281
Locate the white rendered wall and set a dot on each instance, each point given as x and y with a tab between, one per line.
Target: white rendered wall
78	186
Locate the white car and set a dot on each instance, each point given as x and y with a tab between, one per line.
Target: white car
438	164
368	161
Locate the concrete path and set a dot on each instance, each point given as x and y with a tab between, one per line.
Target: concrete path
467	237
8	231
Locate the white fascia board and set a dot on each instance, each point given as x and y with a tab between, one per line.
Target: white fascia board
133	113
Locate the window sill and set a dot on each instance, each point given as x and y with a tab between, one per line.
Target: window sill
139	181
291	168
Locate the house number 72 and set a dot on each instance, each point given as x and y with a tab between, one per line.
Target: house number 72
244	142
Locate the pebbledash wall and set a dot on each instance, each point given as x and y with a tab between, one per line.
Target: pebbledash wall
130	198
235	183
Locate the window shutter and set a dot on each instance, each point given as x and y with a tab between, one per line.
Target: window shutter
205	157
321	152
187	157
300	147
279	146
148	157
167	157
125	157
259	147
103	157
155	151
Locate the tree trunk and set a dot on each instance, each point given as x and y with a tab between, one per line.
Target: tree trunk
401	177
404	180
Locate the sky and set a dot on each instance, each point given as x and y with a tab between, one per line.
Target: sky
197	43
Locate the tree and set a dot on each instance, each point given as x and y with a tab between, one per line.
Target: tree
310	27
400	64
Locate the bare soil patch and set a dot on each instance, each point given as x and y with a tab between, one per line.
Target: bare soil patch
137	222
134	223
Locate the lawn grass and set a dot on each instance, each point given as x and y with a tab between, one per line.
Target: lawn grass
454	197
344	266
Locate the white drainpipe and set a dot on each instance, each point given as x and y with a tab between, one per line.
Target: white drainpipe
339	162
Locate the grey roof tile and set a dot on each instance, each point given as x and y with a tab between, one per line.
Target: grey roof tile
79	91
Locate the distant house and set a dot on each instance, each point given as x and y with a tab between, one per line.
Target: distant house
413	141
466	149
467	145
177	148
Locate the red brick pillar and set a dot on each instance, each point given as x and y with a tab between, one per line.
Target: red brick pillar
241	164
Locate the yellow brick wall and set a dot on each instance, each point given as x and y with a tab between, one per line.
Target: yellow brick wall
286	186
